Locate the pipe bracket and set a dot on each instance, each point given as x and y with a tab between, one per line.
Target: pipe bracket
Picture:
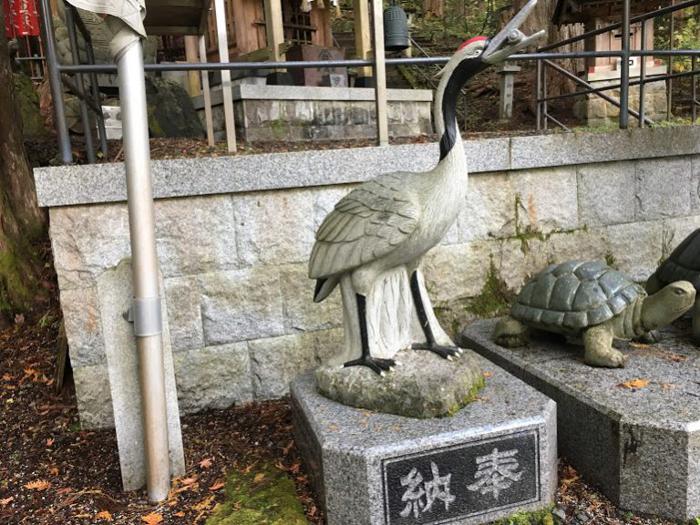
146	314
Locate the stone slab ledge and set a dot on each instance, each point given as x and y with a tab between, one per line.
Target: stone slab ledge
98	183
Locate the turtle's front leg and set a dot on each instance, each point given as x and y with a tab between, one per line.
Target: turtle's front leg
599	350
421	304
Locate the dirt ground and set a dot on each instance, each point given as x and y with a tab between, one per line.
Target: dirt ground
53	472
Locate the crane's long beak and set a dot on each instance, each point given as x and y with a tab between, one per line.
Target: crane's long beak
510	39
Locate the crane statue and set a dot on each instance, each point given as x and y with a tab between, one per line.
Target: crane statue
374	240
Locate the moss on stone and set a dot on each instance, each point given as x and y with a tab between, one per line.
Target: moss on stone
27	101
264	496
538	517
470	397
495	297
610	260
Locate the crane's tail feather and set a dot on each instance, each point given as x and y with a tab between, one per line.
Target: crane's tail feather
324	287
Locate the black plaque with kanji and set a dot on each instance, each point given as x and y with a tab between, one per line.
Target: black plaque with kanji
447	484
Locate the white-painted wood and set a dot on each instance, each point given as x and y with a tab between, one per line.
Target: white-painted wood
222	38
380	73
206	92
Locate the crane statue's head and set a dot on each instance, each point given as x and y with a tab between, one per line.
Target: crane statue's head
472	57
478	53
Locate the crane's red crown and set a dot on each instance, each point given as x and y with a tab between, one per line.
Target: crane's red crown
471	41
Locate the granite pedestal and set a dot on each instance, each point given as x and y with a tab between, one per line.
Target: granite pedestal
495	457
640	446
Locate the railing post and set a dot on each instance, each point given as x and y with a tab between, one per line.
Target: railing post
380	73
642	75
625	67
669	67
54	76
538	89
545	108
80	86
694	89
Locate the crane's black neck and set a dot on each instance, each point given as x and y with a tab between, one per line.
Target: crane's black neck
460	76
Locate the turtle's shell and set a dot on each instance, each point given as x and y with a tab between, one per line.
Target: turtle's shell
575	295
684	262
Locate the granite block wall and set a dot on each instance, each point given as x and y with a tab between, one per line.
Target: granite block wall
239	304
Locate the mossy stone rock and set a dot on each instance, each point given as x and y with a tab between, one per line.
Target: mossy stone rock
422	385
28	106
170	110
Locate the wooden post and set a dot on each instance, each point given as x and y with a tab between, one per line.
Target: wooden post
206	92
363	37
191	55
274	28
222	37
380	73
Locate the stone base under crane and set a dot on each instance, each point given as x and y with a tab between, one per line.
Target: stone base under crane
374	468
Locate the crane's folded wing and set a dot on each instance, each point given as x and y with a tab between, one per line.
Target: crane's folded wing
367	224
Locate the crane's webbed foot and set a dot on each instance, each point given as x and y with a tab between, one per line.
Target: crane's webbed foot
446	352
377	365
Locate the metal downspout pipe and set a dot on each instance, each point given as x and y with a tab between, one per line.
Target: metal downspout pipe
146	310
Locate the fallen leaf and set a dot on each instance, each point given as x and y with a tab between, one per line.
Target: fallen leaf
487	374
259	477
205	463
65	490
7	377
6	501
39	484
180	514
54	471
218	485
634	383
204	504
103	515
50	442
188	481
152	519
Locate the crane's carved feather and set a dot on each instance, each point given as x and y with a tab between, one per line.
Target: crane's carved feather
367	224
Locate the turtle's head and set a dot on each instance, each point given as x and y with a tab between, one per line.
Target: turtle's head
668	304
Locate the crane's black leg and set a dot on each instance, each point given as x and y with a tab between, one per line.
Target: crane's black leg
448	352
380	366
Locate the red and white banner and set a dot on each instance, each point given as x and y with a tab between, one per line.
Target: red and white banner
21	18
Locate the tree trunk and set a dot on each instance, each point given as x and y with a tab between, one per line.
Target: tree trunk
433	8
22	222
541	18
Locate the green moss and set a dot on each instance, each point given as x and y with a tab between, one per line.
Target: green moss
469	398
538	517
264	496
610	260
495	297
14	294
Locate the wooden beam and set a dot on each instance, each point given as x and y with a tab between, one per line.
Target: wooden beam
206	92
222	37
192	55
363	34
172	30
274	27
380	73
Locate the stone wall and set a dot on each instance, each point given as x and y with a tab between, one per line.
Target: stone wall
234	235
295	113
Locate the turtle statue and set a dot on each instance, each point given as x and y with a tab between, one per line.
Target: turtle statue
590	300
683	263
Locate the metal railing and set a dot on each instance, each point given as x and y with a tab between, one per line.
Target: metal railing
542	98
543	57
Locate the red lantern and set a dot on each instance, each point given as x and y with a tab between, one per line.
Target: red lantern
21	18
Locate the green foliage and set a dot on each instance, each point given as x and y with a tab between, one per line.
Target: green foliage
686	35
264	496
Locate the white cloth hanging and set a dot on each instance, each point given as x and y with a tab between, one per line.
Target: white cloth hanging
132	12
